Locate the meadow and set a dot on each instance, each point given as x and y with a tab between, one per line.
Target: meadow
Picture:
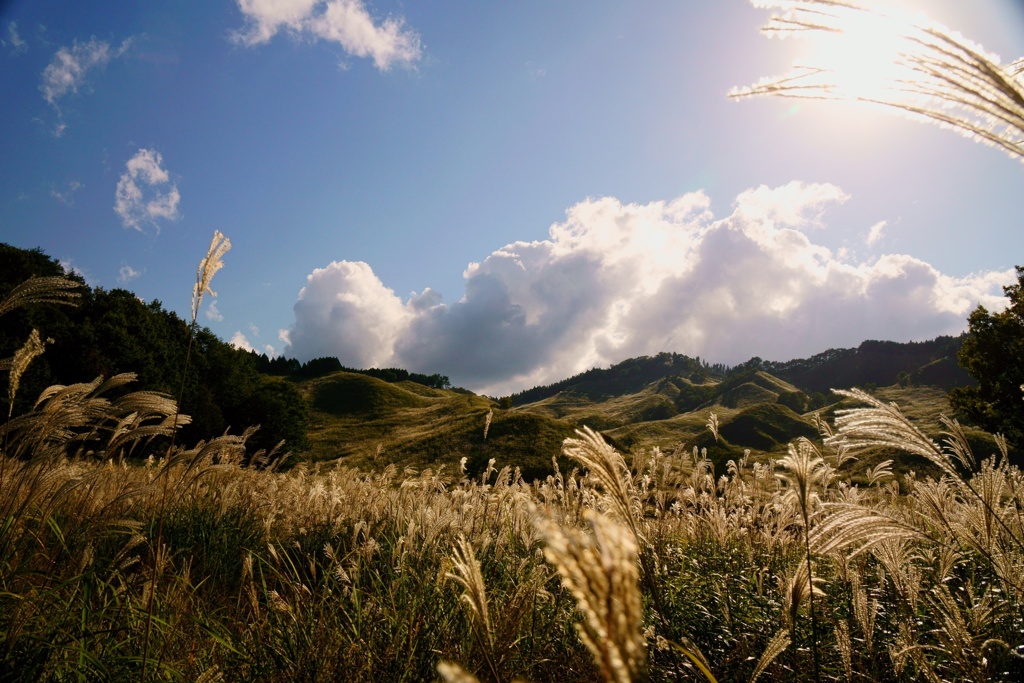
126	557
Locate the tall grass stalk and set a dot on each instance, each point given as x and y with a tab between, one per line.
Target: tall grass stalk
804	472
208	267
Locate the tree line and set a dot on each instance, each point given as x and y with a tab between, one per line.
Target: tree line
113	331
282	366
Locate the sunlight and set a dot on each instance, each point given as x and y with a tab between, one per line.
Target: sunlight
899	58
861	59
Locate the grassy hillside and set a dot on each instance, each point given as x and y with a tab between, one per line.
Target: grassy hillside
362	421
366	422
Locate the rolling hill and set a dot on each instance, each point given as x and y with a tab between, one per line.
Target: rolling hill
662	401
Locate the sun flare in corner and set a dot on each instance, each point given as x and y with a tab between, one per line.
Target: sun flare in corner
862	56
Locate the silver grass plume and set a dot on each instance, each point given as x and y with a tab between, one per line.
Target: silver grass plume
796	590
23	357
853	528
602	574
451	672
467	572
803	472
713	425
776	646
81	414
942	76
883	424
608	469
208	267
42	290
35	290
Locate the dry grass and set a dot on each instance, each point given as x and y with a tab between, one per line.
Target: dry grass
124	556
331	573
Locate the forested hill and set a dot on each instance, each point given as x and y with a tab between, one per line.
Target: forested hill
873	363
877	363
113	331
627	377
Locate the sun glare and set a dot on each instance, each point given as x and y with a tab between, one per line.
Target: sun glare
862	59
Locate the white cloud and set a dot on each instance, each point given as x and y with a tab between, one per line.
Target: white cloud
795	204
127	274
67	71
239	341
875	232
344	307
213	313
345	22
619	280
145	193
14	41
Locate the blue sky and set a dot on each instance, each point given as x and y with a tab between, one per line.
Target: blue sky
506	193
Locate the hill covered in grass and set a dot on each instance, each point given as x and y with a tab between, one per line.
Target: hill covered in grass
366	422
363	421
371	418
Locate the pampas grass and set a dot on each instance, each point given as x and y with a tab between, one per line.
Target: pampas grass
276	575
124	559
938	75
208	267
56	290
602	575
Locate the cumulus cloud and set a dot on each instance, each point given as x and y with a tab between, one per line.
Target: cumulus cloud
239	341
127	274
145	194
619	280
345	22
213	313
345	306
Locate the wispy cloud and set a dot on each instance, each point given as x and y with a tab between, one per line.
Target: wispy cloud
66	195
145	194
15	42
345	22
619	280
126	274
70	268
70	66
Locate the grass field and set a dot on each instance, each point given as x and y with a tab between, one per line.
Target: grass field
191	567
